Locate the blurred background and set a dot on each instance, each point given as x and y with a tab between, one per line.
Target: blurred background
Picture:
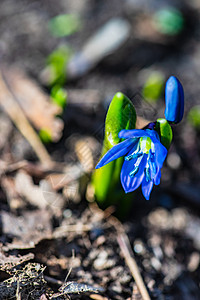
60	65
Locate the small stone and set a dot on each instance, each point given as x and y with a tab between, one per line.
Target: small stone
156	264
102	262
117	288
193	261
160	218
179	218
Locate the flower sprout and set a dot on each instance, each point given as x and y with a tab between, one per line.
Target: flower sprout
143	159
174	100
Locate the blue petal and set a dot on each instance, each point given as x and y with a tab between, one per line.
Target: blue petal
132	183
153	169
133	133
157	177
147	173
160	154
147	188
152	134
160	151
115	152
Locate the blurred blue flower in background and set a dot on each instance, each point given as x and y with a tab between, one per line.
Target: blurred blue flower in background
144	157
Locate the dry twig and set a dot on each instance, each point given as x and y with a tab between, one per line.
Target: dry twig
128	255
125	247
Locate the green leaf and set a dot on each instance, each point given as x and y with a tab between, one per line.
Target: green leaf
64	25
121	115
165	132
45	135
106	180
56	64
59	96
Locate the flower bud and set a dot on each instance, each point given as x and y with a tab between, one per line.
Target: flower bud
174	100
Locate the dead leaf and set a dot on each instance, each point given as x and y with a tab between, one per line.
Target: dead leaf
15	112
34	102
42	195
31	192
27	230
69	175
13	198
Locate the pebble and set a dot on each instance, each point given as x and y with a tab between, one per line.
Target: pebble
160	218
103	262
158	252
172	270
192	231
156	264
100	240
193	262
177	219
117	288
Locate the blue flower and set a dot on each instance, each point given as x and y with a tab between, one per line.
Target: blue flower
174	100
144	157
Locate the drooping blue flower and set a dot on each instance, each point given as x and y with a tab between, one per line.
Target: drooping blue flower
144	157
174	100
